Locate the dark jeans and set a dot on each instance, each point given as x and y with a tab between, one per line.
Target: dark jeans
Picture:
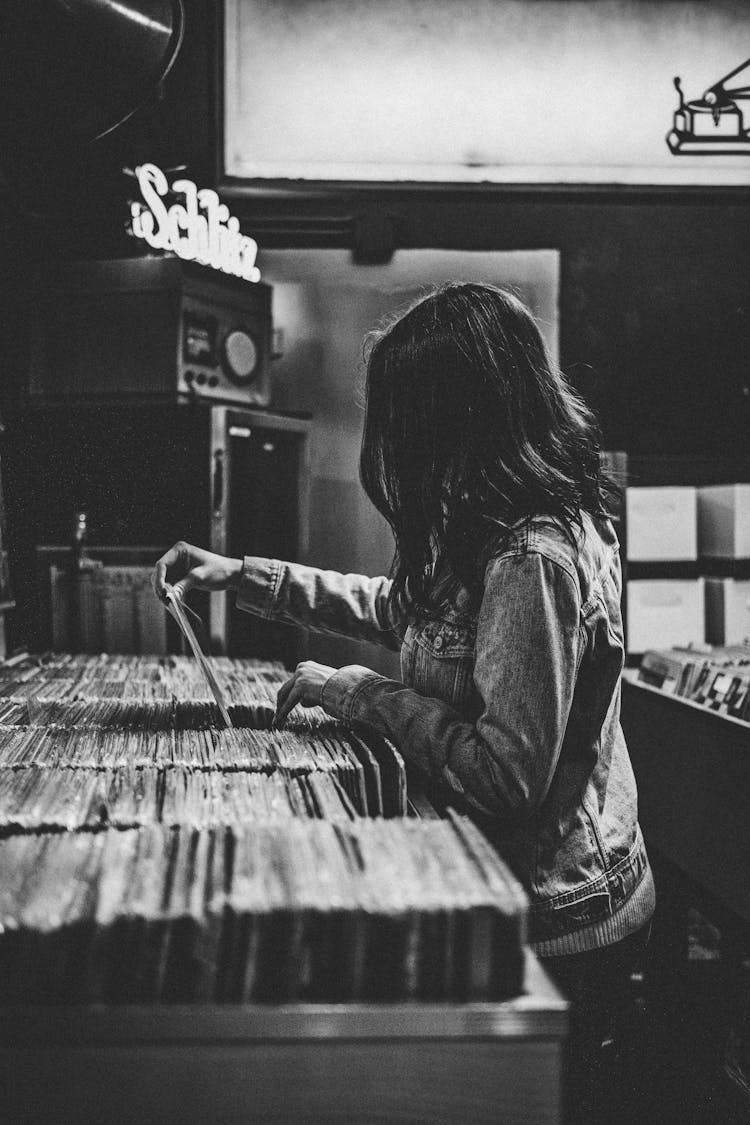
598	986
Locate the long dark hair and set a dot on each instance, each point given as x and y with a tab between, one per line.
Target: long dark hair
471	430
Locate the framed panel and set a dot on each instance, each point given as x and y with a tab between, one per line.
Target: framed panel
555	92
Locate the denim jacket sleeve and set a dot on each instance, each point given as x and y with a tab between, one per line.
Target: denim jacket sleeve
348	604
527	653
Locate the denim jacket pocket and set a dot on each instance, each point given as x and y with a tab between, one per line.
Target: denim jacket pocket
573	911
594	901
437	659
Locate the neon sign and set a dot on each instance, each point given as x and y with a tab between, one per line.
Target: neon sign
198	229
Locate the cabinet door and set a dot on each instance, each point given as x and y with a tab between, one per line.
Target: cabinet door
265	518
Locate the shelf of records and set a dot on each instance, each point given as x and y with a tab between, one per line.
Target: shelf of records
150	854
717	679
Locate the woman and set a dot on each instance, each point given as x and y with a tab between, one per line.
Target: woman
505	604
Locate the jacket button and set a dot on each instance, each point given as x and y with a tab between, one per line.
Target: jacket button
438	643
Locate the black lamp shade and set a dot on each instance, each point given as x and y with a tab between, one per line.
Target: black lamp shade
73	70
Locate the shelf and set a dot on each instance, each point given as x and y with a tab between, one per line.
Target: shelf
630	677
692	767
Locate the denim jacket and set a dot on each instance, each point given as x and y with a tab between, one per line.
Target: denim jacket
515	705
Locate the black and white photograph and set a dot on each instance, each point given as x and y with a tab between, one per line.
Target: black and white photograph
375	562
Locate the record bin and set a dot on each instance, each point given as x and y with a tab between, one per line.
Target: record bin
213	961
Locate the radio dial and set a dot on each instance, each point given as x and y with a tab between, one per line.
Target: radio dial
240	356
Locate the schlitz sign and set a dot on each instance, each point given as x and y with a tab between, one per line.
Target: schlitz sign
197	226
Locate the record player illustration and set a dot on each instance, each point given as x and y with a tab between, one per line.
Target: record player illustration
714	124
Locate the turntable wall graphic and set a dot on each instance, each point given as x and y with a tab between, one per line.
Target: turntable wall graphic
714	124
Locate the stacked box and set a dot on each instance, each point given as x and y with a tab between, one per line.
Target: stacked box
662	529
724	521
662	524
665	611
724	542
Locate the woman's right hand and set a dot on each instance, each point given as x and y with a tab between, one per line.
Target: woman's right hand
185	567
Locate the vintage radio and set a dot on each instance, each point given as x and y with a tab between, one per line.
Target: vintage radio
151	325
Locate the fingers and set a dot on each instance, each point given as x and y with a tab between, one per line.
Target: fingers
160	572
159	580
159	576
293	694
282	697
304	687
284	690
181	555
194	577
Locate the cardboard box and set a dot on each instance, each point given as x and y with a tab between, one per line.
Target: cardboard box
724	521
727	611
663	612
661	524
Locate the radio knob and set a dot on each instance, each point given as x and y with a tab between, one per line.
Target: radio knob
213	380
189	376
200	378
240	356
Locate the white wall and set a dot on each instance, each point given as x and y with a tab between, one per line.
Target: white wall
325	305
472	90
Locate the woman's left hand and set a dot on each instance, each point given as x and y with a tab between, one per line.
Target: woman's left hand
305	687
